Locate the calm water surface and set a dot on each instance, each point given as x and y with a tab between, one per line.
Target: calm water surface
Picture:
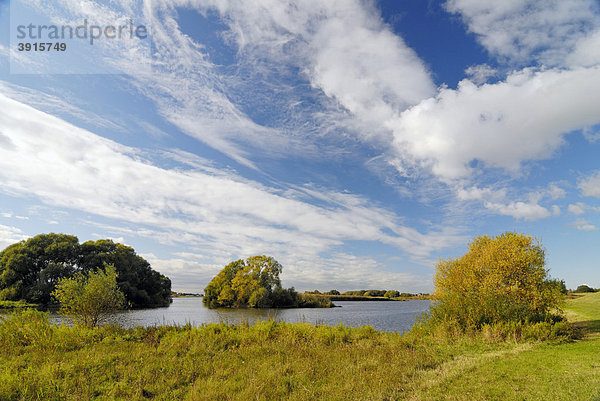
385	316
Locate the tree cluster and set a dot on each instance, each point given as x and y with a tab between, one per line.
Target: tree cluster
584	288
253	283
374	293
30	269
500	279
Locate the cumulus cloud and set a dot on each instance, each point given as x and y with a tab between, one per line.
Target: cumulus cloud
500	125
519	30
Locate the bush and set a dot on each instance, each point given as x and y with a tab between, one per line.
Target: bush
392	294
87	299
314	301
500	279
584	288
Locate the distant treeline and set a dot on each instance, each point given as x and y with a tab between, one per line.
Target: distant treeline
585	288
370	293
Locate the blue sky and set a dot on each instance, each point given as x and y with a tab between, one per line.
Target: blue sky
357	142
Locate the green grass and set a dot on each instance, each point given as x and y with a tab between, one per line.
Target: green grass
273	361
569	371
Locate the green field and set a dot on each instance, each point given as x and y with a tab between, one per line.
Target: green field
271	361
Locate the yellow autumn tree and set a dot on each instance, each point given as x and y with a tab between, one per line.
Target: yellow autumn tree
500	278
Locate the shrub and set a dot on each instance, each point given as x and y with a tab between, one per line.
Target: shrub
500	279
87	299
584	288
314	301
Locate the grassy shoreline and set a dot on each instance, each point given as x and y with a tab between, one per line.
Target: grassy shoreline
299	361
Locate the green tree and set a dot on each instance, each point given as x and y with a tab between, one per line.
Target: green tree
584	288
29	270
89	298
391	294
143	287
501	278
253	282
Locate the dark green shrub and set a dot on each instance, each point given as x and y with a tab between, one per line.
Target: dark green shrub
584	288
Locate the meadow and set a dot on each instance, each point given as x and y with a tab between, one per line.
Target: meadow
299	361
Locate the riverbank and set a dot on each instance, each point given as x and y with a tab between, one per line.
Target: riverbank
295	361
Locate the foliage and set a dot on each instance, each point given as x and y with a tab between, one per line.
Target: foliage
356	292
392	294
30	270
584	288
558	284
500	279
333	292
88	298
253	283
314	301
16	305
374	293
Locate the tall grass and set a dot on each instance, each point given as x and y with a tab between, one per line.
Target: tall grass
266	361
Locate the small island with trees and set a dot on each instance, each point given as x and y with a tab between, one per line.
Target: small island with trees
255	283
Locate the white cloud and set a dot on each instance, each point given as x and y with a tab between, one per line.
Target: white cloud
337	53
586	52
591	134
10	235
501	125
191	272
348	272
577	208
520	210
480	73
187	274
68	167
476	193
496	201
583	225
555	192
547	30
590	186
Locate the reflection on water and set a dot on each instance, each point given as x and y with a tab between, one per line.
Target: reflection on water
386	316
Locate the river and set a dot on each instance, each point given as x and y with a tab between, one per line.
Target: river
386	316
